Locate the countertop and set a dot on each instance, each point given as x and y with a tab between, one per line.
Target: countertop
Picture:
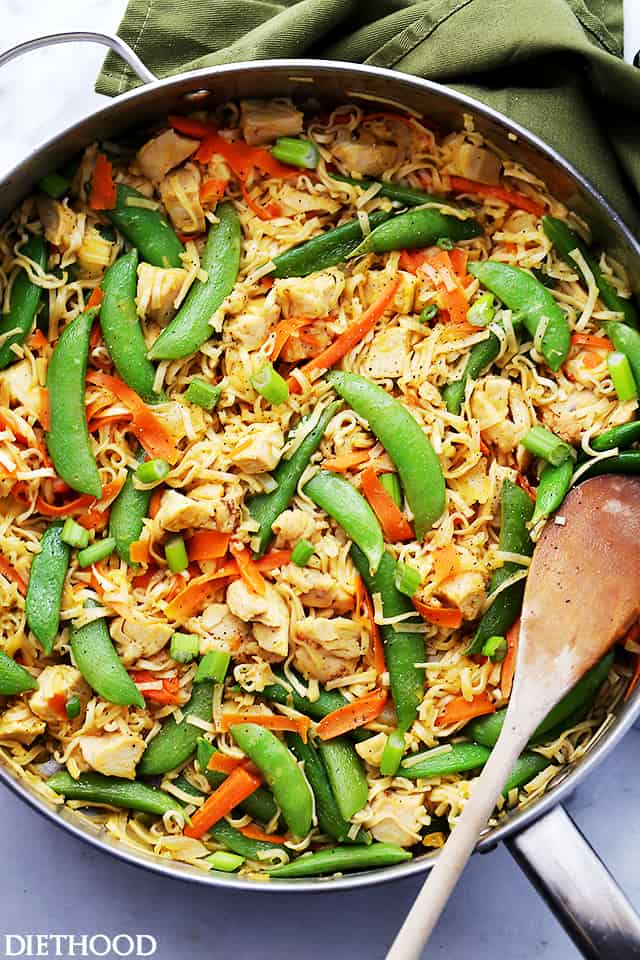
54	884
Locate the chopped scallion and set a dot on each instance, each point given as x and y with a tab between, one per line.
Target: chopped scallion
74	534
495	648
297	153
184	647
203	394
392	753
622	376
543	443
428	313
391	483
227	862
213	666
270	384
175	554
152	471
98	551
482	311
302	553
72	707
445	243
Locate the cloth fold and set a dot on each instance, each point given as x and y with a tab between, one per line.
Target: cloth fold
555	66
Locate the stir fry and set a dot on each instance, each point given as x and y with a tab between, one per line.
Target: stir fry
285	402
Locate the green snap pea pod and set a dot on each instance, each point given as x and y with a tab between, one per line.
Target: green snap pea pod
267	507
96	788
46	580
407	196
404	440
346	775
339	859
14	678
486	730
348	507
403	649
527	297
327	702
626	462
176	742
279	768
627	341
121	327
461	757
260	804
527	766
480	357
25	300
97	660
417	228
325	250
147	230
190	327
515	513
68	439
553	488
127	514
566	240
621	437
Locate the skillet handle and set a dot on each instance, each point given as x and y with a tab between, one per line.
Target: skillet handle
112	41
576	884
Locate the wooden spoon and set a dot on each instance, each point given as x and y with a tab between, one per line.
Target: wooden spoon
582	594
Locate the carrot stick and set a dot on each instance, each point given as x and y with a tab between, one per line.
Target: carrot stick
248	570
347	461
58	703
192	128
237	787
440	269
103	189
83	502
440	616
242	158
207	545
589	340
445	563
43	416
395	525
460	710
514	199
150	431
139	551
376	639
253	832
212	190
37	340
411	260
284	330
509	662
96	298
154	503
169	693
222	763
12	574
299	725
352	715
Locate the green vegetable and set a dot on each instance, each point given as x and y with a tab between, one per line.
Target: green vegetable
147	230
302	553
392	754
97	660
327	702
270	384
406	579
260	805
14	679
626	462
184	647
407	196
222	832
126	516
98	551
152	471
95	788
348	507
74	535
459	759
553	488
481	356
527	766
325	250
298	153
417	228
24	302
73	707
543	443
203	394
176	742
391	484
482	311
428	313
444	243
227	862
626	340
622	376
495	648
346	775
46	582
621	437
175	553
54	184
339	859
213	666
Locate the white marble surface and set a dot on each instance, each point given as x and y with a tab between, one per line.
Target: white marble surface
52	883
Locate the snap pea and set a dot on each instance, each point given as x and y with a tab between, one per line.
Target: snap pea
627	341
279	768
191	326
97	660
96	788
68	439
486	730
327	702
223	833
346	775
516	510
121	327
621	437
260	804
24	303
339	859
404	440
553	488
176	742
267	507
403	649
147	230
481	356
417	228
626	462
46	580
325	250
407	196
14	678
348	507
527	766
527	297
566	240
127	514
461	757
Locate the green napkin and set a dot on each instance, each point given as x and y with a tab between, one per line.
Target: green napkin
553	65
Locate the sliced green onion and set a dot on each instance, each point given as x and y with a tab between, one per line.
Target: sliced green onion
391	483
97	551
54	184
213	666
445	243
175	554
482	311
203	394
392	753
184	647
302	553
228	862
74	534
297	153
495	648
407	579
428	313
622	376
270	384
152	471
72	707
542	443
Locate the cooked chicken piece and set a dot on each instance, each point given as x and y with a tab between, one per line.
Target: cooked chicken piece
501	410
58	681
404	298
368	159
294	201
387	354
18	385
293	525
582	410
317	589
225	630
268	615
475	163
251	327
306	342
58	220
396	818
327	648
263	121
474	485
313	296
138	639
180	193
467	591
163	153
178	512
18	723
114	754
224	503
158	288
261	450
372	748
94	253
141	184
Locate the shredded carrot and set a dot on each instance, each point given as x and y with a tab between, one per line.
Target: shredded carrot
351	337
237	787
192	128
509	663
169	693
9	421
352	715
459	258
43	416
154	503
395	526
254	832
83	502
264	213
142	580
98	422
284	330
347	461
299	725
12	574
514	199
58	703
460	710
379	661
634	679
139	551
222	763
150	431
524	484
94	519
212	190
591	341
484	449
411	260
248	570
242	158
440	616
103	189
445	563
208	545
592	358
266	282
37	340
440	270
96	298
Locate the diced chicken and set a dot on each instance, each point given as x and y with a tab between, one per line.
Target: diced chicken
224	503
163	153
225	630
387	355
58	219
180	193
327	648
372	748
317	589
582	410
306	342
501	410
158	288
474	486
476	163
368	159
261	450
313	296
293	525
467	591
94	253
293	201
263	121
178	512
404	297
268	615
251	327
114	754
18	385
138	639
396	818
59	681
18	723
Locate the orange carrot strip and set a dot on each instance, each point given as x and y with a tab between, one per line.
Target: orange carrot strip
589	340
395	525
347	461
221	763
459	258
460	710
58	703
103	189
237	787
284	330
445	563
242	158
212	190
514	199
509	663
44	409
634	679
192	128
299	725
448	285
524	484
37	340
98	422
379	661
352	715
411	260
169	693
12	574
253	832
96	298
9	421
440	616
154	503
139	551
248	570
150	431
208	545
264	213
82	502
142	580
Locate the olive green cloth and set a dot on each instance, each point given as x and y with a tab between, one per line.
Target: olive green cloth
552	65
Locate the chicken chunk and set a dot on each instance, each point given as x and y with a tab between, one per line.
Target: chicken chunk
313	296
158	288
223	501
18	723
261	450
60	681
141	184
263	121
59	221
268	615
467	591
387	354
396	818
475	163
251	327
225	630
306	342
293	201
178	512
501	410
94	252
474	486
114	754
138	639
163	153
571	416
317	589
293	525
19	386
369	159
404	297
180	193
327	648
